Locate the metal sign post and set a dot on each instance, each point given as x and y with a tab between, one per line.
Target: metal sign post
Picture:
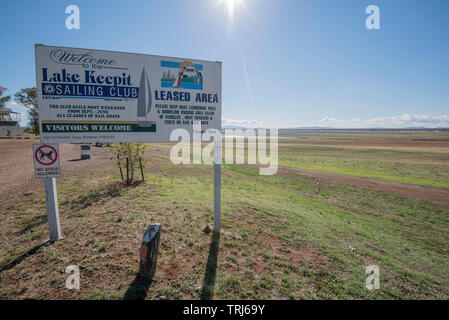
51	197
46	166
217	185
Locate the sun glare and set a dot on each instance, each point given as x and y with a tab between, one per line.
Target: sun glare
231	6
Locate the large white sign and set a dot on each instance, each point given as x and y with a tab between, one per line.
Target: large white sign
46	161
106	96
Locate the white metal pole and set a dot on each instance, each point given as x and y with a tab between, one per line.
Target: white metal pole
51	197
52	208
217	184
49	185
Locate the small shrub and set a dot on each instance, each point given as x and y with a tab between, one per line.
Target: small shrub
129	157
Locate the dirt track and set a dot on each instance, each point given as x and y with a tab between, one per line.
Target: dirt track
376	143
17	168
407	190
17	172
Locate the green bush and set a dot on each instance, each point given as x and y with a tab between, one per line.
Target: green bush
129	156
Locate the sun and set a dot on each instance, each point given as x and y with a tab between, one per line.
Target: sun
233	10
231	6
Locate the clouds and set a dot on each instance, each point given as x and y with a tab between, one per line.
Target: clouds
394	122
241	123
404	121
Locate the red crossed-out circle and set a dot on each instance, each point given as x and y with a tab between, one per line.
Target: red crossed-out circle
41	152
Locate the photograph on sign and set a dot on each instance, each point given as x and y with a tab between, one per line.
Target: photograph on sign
106	96
46	161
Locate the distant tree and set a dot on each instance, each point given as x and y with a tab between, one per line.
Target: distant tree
28	98
4	99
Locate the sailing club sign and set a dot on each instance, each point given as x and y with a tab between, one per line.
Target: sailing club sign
106	96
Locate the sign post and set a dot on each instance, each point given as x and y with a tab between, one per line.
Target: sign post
46	166
217	185
52	208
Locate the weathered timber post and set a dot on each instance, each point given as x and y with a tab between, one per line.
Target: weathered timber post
149	251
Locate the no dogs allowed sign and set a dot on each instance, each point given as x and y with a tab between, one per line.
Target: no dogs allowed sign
46	160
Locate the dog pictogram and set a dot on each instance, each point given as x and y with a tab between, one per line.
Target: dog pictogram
46	155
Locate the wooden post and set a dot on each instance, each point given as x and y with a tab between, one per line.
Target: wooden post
149	251
120	167
141	169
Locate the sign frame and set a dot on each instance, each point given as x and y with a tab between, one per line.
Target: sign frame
164	93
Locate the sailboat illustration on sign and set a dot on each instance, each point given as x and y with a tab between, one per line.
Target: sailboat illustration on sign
144	101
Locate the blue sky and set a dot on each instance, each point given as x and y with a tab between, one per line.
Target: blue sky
286	63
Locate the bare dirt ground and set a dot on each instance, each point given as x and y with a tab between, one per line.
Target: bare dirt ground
17	168
407	190
17	172
417	143
418	139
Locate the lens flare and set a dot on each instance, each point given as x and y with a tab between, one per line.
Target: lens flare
232	6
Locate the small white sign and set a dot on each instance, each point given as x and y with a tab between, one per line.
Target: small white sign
46	160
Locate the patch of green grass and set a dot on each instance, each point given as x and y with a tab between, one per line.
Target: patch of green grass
97	295
408	167
167	292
